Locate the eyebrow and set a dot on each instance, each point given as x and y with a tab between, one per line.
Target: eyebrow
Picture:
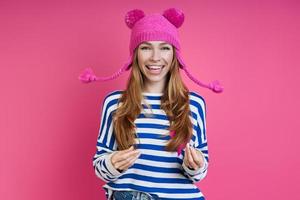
163	43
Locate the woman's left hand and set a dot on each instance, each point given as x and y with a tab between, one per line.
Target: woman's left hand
193	158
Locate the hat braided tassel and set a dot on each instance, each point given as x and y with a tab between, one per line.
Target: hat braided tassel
215	86
88	75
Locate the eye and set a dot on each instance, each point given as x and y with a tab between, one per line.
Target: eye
166	48
144	48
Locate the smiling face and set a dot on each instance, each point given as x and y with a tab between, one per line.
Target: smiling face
154	60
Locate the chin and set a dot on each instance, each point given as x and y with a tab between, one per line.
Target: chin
156	78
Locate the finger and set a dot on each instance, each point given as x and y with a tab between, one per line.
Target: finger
130	162
120	152
200	156
123	155
126	166
186	155
118	155
121	163
130	154
191	162
196	156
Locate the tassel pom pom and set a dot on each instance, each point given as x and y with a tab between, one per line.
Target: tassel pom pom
216	86
87	76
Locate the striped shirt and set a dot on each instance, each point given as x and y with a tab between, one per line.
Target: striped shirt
156	171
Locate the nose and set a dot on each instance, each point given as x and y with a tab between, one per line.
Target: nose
155	55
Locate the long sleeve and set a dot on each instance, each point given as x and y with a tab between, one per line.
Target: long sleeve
156	171
106	143
200	144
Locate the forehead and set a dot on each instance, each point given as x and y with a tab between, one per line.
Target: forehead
159	43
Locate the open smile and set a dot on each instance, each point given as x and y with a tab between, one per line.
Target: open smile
155	67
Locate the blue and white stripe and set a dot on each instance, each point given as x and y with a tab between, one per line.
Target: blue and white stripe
156	171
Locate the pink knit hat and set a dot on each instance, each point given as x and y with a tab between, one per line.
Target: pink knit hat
153	27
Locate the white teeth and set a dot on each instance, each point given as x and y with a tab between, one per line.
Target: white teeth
154	66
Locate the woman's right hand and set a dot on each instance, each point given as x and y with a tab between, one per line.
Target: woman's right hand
122	160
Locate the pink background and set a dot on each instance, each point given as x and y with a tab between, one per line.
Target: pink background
49	120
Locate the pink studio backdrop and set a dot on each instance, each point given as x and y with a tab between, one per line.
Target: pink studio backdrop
49	120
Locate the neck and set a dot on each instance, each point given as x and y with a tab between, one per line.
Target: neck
154	88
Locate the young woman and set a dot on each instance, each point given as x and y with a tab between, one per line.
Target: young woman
152	140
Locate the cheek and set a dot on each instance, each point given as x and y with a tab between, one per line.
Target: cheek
168	56
142	57
139	58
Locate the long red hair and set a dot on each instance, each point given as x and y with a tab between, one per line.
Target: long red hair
174	101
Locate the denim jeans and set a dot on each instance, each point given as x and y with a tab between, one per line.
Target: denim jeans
133	195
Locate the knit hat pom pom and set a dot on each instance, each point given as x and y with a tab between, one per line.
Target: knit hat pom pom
175	16
133	16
